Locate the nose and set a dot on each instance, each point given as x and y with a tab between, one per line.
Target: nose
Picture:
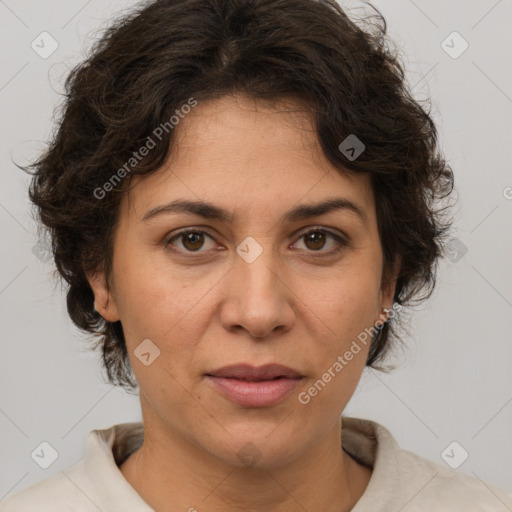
258	299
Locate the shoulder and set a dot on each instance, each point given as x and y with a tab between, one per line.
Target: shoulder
94	483
403	480
58	492
439	487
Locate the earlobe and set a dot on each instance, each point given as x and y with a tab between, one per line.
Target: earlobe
104	302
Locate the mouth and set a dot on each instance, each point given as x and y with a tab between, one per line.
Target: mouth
253	374
251	386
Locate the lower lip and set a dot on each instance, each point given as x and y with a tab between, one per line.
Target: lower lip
255	394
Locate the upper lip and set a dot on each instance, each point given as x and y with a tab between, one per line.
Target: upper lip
255	373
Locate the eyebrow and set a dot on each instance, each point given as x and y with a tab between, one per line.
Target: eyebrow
210	211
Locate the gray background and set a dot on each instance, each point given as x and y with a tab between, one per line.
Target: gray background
454	381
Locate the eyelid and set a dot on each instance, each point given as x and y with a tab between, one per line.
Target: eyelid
340	237
185	231
325	229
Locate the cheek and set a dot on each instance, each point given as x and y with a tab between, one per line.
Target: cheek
347	300
343	309
141	286
346	307
158	302
165	310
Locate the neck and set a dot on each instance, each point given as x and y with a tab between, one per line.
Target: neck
185	477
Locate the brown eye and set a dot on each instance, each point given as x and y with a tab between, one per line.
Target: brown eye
317	240
191	241
314	240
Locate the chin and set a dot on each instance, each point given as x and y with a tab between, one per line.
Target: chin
259	448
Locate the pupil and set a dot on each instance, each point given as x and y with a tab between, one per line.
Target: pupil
193	241
317	238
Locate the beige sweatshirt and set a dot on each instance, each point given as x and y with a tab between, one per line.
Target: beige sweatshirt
401	481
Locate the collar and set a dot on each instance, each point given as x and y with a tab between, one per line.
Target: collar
366	441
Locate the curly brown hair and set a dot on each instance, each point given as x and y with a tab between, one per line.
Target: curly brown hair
152	60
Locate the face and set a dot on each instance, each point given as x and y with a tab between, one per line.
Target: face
254	286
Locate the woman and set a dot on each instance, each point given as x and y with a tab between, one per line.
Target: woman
242	194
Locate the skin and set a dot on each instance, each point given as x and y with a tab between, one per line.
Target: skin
291	305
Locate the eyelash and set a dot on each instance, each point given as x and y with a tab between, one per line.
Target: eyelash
341	241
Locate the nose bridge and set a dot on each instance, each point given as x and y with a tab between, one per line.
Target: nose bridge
254	268
258	300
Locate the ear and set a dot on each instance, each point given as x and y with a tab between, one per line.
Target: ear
104	301
387	291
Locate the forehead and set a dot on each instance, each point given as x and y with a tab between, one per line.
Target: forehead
246	155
